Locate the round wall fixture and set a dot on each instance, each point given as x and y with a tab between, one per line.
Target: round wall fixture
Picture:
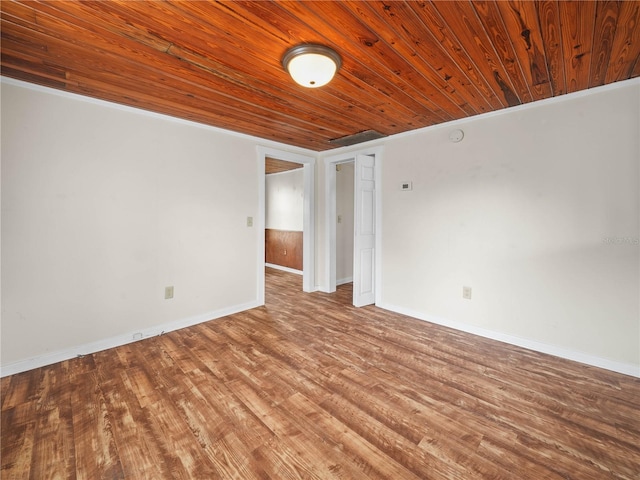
311	65
456	136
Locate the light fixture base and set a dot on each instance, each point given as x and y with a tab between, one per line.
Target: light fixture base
311	65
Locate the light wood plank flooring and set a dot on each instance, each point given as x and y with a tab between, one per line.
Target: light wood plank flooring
310	387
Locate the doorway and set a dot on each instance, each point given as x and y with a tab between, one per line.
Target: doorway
284	217
345	209
308	253
367	214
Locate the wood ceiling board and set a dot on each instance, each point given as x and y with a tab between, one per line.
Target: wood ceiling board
273	165
406	65
410	87
604	33
465	26
99	41
636	69
356	70
317	105
521	20
625	52
354	98
577	39
491	20
411	39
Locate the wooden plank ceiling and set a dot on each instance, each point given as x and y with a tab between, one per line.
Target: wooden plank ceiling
406	65
273	165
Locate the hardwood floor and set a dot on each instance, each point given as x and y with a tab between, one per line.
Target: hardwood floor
311	387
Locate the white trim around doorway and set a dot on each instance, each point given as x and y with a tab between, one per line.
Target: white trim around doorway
308	235
330	163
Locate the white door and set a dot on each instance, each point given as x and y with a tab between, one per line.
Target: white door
365	232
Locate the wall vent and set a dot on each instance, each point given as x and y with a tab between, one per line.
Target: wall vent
359	137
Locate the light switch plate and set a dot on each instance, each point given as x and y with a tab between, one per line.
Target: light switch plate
168	293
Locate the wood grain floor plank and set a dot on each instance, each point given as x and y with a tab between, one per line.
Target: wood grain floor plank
497	397
357	458
96	452
18	430
188	350
237	417
18	423
497	413
401	450
233	459
22	387
289	453
54	442
5	384
331	450
140	452
311	387
182	449
196	406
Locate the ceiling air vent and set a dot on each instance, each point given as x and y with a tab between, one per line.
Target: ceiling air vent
359	137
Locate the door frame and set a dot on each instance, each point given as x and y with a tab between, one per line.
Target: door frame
308	233
330	163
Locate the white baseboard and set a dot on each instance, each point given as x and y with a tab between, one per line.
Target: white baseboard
619	367
284	269
88	348
66	354
342	281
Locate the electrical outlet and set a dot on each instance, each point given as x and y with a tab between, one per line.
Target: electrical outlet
466	293
339	218
249	221
168	293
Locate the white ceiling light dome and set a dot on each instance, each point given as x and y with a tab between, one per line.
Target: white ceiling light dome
311	65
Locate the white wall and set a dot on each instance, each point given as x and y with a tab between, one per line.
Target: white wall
345	225
284	200
537	210
104	206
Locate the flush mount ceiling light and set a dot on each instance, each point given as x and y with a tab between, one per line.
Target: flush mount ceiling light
311	65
